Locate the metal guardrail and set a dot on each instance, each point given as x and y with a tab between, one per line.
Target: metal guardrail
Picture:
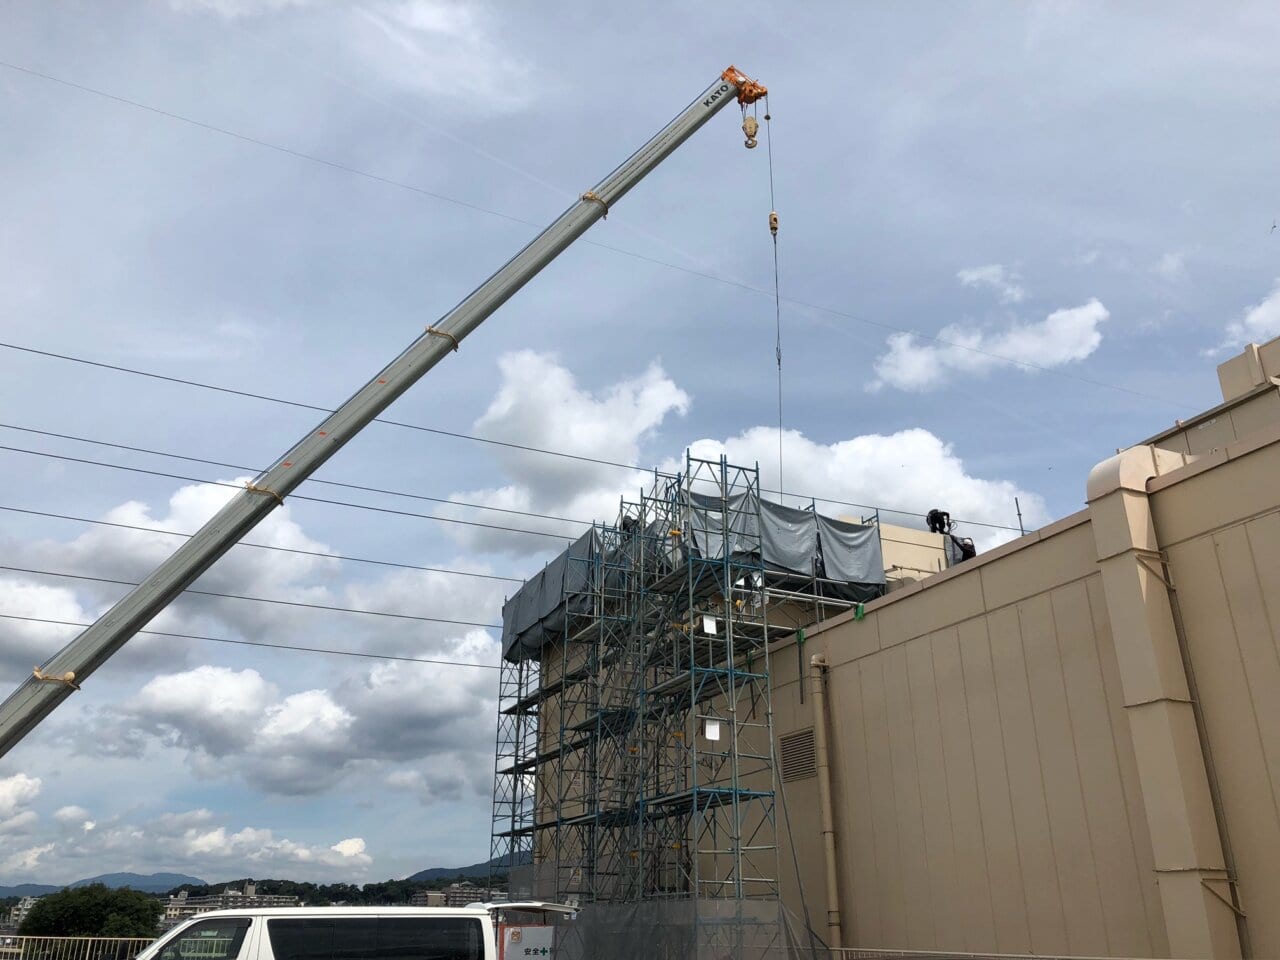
72	948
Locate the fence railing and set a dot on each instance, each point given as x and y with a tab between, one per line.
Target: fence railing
72	948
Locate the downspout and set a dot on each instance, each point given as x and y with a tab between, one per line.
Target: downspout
817	667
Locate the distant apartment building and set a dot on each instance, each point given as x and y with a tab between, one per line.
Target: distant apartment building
181	907
19	913
458	894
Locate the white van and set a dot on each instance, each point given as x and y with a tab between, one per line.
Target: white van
478	932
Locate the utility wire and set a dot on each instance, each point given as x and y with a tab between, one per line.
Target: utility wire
257	470
236	596
345	558
292	496
459	436
298	154
269	646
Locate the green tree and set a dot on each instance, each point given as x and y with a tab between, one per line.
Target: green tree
93	911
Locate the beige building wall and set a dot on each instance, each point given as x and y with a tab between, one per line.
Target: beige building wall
986	795
1017	762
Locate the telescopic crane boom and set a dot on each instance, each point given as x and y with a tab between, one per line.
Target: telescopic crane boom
53	682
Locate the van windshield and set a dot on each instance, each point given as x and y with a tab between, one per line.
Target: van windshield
376	938
207	940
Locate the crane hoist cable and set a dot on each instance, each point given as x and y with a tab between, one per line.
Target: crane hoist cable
750	127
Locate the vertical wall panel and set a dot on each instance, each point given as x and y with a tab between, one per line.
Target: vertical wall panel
948	897
1060	774
892	894
972	894
1228	582
1115	856
1008	888
1026	788
906	786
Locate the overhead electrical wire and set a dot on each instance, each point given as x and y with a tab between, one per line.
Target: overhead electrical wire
341	557
292	496
270	646
444	198
458	436
235	596
329	483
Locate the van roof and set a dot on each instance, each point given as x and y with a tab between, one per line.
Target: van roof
344	912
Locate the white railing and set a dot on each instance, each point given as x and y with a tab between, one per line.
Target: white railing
72	948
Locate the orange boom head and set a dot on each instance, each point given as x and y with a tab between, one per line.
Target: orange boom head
748	90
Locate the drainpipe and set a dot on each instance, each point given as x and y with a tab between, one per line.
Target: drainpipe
817	667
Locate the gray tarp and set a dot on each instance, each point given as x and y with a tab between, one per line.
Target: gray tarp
790	541
788	538
536	613
850	551
706	524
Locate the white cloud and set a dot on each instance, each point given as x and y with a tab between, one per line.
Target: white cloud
16	792
235	9
1258	324
229	723
74	816
351	847
540	404
446	48
192	841
1064	336
23	860
1171	267
449	49
130	555
911	470
27	644
994	276
70	814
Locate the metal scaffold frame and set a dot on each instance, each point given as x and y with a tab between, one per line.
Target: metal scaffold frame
647	777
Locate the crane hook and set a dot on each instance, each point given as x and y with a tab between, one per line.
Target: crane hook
750	127
773	222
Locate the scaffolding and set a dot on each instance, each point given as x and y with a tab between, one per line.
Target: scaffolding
635	743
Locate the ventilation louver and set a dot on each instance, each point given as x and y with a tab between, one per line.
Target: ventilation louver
795	755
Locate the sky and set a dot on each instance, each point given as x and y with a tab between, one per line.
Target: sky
1014	237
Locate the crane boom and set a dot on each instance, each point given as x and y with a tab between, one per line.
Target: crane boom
53	682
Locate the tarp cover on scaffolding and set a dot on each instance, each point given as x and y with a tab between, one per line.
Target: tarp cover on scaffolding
796	545
536	613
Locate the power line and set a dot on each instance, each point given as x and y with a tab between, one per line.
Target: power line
292	496
345	558
269	646
356	171
236	596
329	483
459	436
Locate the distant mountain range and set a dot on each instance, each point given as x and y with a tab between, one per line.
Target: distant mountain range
164	882
477	871
146	883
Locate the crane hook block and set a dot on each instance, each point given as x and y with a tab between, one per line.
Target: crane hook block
773	222
750	127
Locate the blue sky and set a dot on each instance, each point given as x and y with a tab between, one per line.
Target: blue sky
1081	188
